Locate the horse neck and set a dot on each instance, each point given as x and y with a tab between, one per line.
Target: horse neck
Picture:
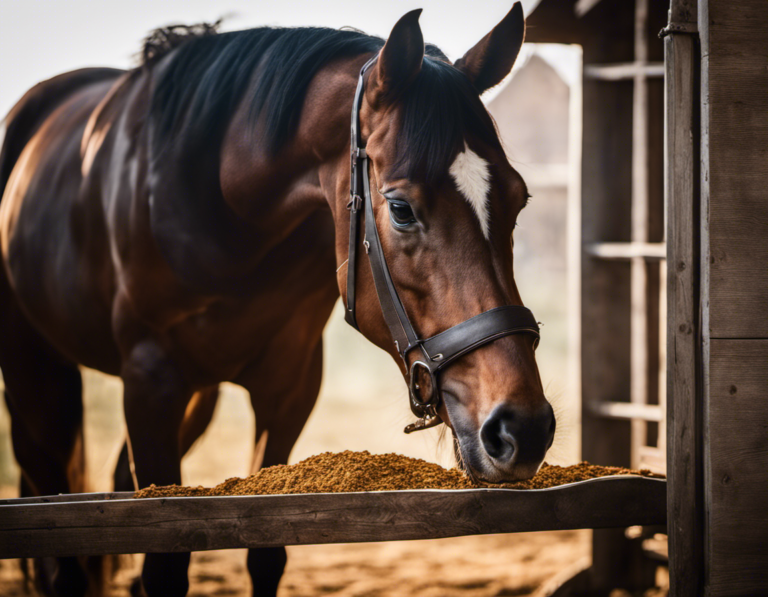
217	221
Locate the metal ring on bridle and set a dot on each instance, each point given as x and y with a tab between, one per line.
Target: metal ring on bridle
420	405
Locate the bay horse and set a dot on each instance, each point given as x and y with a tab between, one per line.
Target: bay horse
187	222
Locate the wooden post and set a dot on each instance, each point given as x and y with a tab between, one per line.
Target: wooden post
639	336
685	507
734	252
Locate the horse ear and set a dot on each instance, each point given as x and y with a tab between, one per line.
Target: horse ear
493	57
399	60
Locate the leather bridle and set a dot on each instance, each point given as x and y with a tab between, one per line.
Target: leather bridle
439	351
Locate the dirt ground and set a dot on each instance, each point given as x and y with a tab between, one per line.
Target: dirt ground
466	566
362	406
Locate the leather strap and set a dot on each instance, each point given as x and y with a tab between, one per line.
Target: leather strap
355	205
445	347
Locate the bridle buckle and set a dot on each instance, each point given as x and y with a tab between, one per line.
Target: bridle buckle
424	422
355	203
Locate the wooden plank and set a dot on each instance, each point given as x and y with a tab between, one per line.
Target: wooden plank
628	251
624	71
629	411
735	290
93	527
684	392
738	465
605	297
574	243
661	364
653	459
67	497
639	336
737	54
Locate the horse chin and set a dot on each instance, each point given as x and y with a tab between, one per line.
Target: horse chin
488	473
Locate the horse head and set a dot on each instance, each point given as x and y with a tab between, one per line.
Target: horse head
445	201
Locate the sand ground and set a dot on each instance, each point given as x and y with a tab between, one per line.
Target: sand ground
362	405
467	566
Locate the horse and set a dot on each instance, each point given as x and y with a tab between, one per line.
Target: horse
189	222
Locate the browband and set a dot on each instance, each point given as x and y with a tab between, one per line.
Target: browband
440	350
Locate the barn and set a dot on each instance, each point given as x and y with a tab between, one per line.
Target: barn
667	223
672	220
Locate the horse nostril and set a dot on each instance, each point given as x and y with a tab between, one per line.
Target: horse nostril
498	441
512	435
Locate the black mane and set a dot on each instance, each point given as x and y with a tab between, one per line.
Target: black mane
206	75
441	111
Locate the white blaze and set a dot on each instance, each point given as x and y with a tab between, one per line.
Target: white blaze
473	178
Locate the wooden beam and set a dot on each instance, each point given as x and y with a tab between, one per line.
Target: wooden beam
629	411
654	459
628	251
639	338
737	458
684	330
736	57
624	71
94	527
574	241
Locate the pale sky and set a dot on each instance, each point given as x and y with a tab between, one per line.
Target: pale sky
42	38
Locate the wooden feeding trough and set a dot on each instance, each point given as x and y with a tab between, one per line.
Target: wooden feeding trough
111	523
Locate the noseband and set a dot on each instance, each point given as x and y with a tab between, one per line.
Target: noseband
439	351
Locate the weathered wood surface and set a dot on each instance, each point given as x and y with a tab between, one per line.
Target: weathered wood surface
93	527
735	294
738	468
736	52
618	72
684	392
630	250
67	497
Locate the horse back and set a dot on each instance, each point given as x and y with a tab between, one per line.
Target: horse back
56	273
36	106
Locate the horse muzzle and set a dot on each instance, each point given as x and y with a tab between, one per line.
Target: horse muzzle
508	445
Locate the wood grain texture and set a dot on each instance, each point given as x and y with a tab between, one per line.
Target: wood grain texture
737	54
735	294
605	285
607	150
93	527
685	502
738	475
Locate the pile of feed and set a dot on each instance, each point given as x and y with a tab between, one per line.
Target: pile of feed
362	471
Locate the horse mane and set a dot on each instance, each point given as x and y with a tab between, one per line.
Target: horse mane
206	74
164	39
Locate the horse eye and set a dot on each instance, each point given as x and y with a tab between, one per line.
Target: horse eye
401	214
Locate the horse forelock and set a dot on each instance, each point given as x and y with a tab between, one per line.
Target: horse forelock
439	112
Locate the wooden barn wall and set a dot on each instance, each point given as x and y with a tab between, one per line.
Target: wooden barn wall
735	293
